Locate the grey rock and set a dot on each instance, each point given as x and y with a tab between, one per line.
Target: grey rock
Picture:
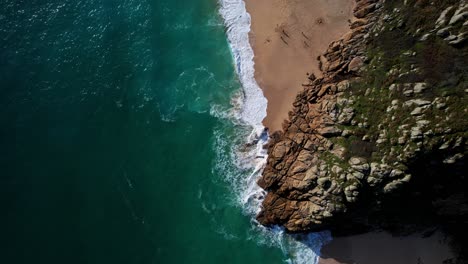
356	161
418	102
450	38
416	133
401	140
445	145
442	20
417	111
444	32
342	86
346	116
392	186
459	39
458	17
419	87
453	159
358	175
355	64
329	131
425	37
372	181
346	133
323	181
379	170
395	173
336	169
408	92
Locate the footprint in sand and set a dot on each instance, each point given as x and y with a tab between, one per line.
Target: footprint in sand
319	21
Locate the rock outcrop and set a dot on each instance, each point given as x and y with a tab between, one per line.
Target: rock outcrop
453	29
304	186
388	102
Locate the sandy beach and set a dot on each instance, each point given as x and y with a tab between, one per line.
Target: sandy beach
287	36
383	248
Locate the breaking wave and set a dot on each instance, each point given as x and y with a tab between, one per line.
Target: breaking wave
241	156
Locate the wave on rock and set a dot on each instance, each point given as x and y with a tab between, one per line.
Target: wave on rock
244	162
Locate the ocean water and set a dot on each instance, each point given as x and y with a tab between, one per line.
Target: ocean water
123	130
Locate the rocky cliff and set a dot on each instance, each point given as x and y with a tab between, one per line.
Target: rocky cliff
380	140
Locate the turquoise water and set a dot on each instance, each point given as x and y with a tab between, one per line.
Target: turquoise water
118	133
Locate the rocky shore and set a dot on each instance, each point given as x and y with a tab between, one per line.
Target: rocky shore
378	142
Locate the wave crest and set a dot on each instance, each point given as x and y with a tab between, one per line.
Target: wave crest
237	22
241	154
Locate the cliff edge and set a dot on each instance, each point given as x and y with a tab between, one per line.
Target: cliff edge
378	142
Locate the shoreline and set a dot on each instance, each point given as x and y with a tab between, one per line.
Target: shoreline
253	110
306	189
237	23
253	103
340	250
286	38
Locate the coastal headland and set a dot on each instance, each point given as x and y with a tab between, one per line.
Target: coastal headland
368	126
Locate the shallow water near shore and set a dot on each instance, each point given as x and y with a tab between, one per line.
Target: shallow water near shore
122	135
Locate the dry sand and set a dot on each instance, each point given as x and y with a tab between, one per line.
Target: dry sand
287	36
382	248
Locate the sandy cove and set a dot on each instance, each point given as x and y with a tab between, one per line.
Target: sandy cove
287	36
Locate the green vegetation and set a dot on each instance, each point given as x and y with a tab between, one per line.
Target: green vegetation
398	58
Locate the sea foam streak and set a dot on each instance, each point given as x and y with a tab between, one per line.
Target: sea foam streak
237	22
250	160
252	104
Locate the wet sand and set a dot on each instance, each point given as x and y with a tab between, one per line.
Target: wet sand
383	248
287	36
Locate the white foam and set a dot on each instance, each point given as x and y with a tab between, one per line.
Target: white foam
305	248
298	248
242	158
250	104
237	22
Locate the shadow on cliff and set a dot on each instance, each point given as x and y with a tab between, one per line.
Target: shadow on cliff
433	202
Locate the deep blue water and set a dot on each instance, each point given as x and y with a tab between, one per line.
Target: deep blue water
108	144
119	137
